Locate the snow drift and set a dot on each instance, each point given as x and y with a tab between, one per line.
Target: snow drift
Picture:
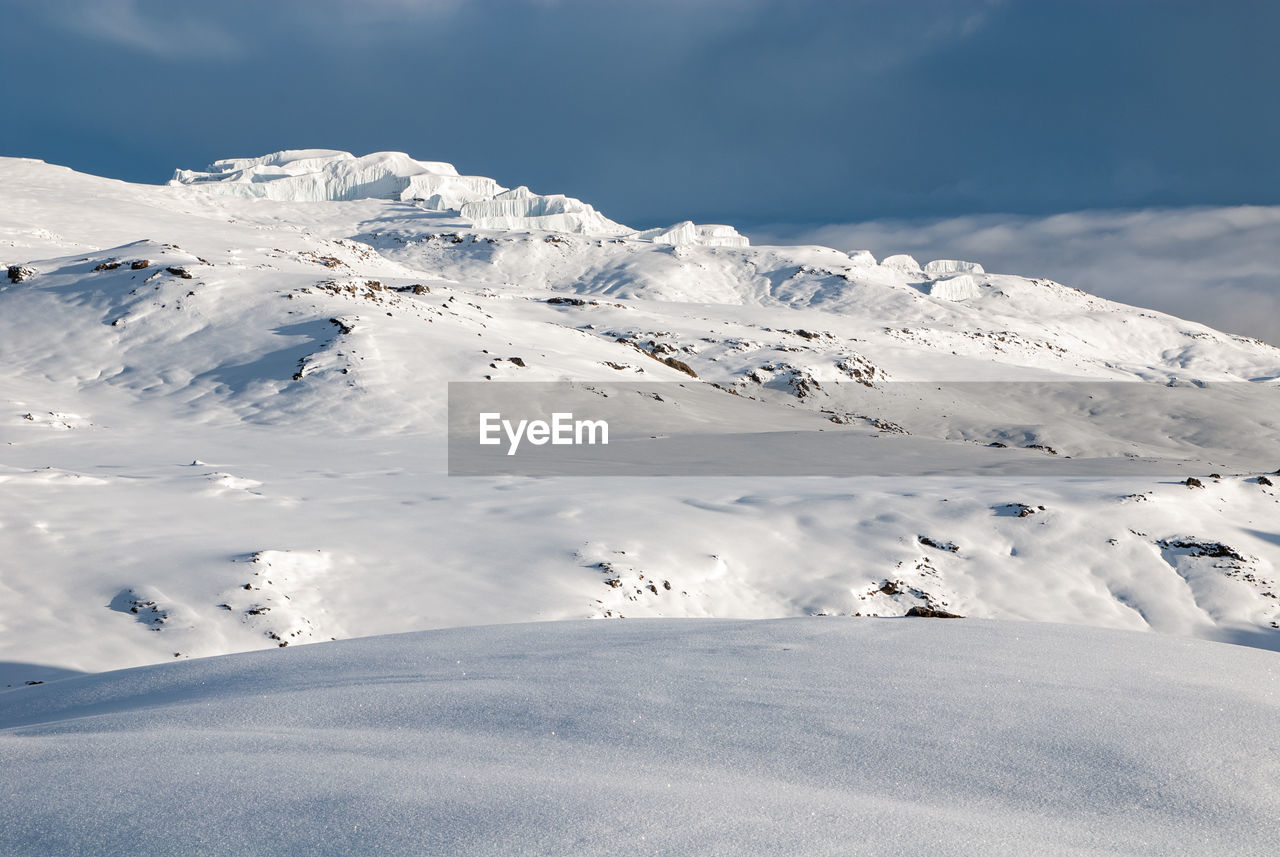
818	736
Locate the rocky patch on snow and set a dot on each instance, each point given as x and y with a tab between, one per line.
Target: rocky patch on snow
279	598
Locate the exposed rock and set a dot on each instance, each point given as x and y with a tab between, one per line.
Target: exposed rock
20	273
139	264
932	613
950	547
1198	548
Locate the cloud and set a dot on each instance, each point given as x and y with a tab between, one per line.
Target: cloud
169	31
1219	265
176	29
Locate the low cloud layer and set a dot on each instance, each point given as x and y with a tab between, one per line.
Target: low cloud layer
1219	266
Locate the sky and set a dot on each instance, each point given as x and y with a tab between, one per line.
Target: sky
796	114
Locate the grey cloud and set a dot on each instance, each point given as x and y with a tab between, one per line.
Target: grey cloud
168	31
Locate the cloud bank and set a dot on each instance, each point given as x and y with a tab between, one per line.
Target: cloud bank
1216	265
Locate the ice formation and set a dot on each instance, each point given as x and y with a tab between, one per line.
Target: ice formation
958	288
862	258
687	233
523	209
316	175
902	262
953	266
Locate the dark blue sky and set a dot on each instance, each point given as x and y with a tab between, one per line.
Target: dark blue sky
746	112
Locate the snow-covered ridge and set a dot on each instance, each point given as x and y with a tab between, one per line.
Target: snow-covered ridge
329	175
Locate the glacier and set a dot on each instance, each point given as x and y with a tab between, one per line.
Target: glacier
327	175
522	209
953	266
330	175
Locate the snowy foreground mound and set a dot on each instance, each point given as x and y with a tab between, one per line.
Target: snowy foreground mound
818	736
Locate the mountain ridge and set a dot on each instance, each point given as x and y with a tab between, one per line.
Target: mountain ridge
304	349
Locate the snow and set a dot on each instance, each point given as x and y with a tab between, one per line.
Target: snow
805	736
952	266
225	414
901	262
306	359
521	209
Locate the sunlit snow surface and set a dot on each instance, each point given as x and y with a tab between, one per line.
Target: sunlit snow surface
241	442
803	736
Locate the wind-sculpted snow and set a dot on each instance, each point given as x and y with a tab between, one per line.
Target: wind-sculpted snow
817	736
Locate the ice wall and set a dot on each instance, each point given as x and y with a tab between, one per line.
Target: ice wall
445	193
524	210
953	266
689	234
961	287
316	175
320	175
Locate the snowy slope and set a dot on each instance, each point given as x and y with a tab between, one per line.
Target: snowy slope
804	737
244	437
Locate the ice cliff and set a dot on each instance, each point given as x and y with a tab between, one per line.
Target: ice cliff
317	175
